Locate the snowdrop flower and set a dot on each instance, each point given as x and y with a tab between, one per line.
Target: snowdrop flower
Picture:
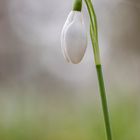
74	42
74	38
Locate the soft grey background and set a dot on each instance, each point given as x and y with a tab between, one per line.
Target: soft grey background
30	51
30	43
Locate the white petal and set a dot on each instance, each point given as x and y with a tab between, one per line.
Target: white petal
76	39
68	21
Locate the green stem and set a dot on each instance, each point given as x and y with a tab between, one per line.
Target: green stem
77	6
93	31
104	101
94	39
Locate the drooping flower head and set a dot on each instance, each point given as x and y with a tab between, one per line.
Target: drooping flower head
73	37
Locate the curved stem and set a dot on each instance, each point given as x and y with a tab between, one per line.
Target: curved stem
93	31
95	46
94	39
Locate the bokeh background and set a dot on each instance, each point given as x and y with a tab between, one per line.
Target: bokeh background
42	97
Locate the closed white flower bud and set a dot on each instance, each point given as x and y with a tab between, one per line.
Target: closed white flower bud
74	38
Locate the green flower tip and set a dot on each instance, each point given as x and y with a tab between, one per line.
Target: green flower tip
77	5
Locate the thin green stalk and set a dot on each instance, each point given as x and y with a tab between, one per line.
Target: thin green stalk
94	39
77	6
104	101
93	31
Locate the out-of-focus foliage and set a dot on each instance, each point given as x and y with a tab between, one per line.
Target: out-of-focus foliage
35	119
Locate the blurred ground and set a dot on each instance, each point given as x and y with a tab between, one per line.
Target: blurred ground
43	97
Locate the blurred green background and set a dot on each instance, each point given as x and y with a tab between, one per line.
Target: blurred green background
44	98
